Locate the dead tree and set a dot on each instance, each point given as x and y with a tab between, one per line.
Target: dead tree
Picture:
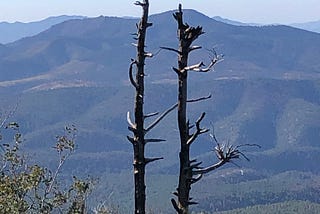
138	141
138	126
190	170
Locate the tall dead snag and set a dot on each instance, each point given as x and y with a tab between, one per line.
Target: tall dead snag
190	170
138	141
138	127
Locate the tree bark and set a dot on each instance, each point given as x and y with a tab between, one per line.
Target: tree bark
139	162
138	127
184	172
186	36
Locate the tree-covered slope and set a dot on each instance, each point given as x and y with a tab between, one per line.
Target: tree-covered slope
265	92
290	207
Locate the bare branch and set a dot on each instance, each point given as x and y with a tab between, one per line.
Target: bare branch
213	136
195	180
212	63
133	82
171	49
152	125
194	67
194	48
139	3
198	67
196	165
199	99
132	125
225	153
134	130
150	55
240	153
192	161
176	70
65	147
190	127
209	169
151	115
192	203
131	139
198	130
149	160
154	140
175	206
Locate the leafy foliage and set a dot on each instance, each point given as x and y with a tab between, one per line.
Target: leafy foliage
28	188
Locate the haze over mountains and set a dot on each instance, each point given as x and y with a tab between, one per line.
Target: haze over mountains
266	91
14	31
313	26
310	26
18	30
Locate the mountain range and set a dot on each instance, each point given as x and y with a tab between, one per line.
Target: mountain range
310	26
313	26
266	92
18	30
232	22
14	31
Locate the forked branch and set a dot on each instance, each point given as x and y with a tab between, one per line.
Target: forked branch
225	153
199	67
139	3
198	130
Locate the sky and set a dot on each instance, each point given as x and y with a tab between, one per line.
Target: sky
249	11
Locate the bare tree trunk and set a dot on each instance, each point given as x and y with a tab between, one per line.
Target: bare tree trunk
186	36
138	127
185	172
139	162
190	170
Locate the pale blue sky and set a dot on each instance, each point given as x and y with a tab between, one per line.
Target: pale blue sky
258	11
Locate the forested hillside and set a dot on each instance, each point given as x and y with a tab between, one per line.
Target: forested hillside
266	92
292	207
